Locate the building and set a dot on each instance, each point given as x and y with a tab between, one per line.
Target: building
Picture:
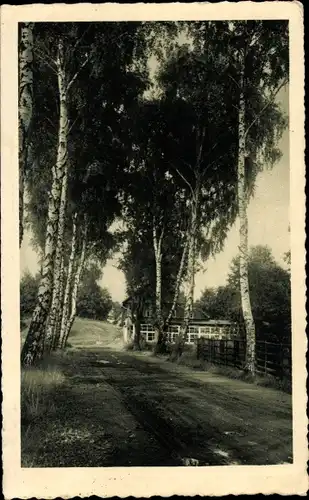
199	326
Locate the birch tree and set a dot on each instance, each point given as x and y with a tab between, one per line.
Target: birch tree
243	228
152	208
68	285
36	331
48	294
54	311
25	110
77	45
261	67
196	160
67	326
241	131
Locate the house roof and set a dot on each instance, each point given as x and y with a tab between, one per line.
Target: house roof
200	317
127	301
210	322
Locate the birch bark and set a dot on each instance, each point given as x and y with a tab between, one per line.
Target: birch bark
25	109
68	285
158	320
190	275
36	333
56	294
243	231
179	278
76	282
61	299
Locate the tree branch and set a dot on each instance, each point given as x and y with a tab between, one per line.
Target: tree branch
161	238
188	165
78	72
199	156
212	149
184	179
50	122
214	161
80	38
77	117
154	233
233	79
43	59
43	54
269	102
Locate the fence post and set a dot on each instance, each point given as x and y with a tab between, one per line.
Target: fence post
281	367
235	351
265	360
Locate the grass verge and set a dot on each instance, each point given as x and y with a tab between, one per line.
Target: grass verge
189	359
37	386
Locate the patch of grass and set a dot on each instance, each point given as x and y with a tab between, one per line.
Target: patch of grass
189	359
129	346
37	386
91	333
284	385
143	347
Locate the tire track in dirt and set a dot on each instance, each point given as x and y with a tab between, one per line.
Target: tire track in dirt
150	418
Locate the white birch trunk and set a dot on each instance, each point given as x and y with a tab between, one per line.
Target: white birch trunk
76	282
37	327
61	298
190	278
179	278
243	235
157	244
190	275
68	286
192	232
56	294
25	107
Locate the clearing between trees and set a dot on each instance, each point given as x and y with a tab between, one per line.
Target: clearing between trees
96	405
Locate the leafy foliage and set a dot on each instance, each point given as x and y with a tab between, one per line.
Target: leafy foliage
28	293
141	159
202	83
270	292
97	55
93	301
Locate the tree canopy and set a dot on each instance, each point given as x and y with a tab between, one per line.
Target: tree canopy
162	156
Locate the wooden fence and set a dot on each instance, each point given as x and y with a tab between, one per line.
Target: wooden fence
271	358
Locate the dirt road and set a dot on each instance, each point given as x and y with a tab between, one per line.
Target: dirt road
124	409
